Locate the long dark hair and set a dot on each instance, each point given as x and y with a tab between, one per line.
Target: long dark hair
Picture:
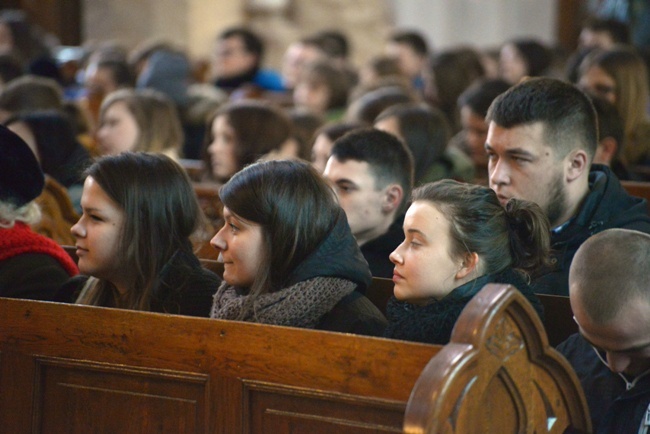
161	212
295	207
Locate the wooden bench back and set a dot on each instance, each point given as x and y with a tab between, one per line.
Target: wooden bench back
81	369
497	375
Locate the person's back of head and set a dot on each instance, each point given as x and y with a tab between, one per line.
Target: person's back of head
389	159
452	72
609	273
335	43
425	131
60	154
29	93
515	236
611	134
21	181
567	114
367	107
479	95
295	207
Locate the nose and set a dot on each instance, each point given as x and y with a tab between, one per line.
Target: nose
396	257
617	363
498	171
218	241
77	230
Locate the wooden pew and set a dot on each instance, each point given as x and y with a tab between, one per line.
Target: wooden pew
80	369
497	375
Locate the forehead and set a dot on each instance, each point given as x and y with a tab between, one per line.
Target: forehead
628	329
426	217
527	137
353	170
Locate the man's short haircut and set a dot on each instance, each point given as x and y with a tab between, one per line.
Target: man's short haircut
617	30
389	159
568	116
335	43
413	39
612	269
481	93
252	42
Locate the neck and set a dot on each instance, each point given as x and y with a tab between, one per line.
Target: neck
575	197
369	235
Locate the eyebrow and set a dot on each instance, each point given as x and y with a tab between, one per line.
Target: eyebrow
416	231
513	151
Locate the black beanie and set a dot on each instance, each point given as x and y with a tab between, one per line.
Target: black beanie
21	178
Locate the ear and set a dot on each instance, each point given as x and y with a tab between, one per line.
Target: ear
469	264
577	163
606	150
393	195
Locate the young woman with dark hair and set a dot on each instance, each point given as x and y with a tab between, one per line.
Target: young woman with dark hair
133	238
289	256
459	238
240	133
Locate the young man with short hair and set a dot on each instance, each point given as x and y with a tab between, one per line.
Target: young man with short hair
372	174
541	140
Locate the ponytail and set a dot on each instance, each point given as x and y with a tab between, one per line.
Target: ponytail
529	235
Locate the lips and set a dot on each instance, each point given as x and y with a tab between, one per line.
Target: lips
80	251
397	277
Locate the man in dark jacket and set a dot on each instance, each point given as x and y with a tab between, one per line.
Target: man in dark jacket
610	298
541	141
372	174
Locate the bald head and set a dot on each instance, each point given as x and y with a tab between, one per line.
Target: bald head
609	271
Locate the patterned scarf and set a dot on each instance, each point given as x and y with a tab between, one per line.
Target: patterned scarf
300	305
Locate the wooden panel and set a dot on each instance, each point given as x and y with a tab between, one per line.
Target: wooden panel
273	408
99	398
64	362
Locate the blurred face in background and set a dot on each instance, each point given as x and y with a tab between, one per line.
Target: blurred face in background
223	158
118	130
231	58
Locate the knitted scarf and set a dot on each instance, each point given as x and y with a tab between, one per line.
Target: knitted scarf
300	305
20	239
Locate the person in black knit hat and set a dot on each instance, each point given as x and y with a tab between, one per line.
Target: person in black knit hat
31	265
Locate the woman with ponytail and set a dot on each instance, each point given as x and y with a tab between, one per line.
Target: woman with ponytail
459	238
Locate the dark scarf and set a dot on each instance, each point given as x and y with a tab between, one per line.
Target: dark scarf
434	322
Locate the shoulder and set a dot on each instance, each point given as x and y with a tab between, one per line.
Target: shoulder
354	313
31	275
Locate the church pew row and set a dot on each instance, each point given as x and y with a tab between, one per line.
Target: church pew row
80	369
558	319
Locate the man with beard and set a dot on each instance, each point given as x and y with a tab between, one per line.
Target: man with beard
542	137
